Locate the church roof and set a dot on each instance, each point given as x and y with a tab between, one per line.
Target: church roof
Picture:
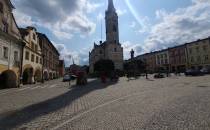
111	6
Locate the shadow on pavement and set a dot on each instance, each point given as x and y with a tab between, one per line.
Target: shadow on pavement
27	114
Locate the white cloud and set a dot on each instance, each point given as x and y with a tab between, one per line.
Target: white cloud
121	12
100	17
133	24
63	18
128	46
183	25
79	57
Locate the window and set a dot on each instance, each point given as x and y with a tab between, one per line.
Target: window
5	27
40	61
206	58
192	59
198	49
198	58
100	51
27	55
114	28
1	8
34	36
190	50
115	49
37	59
15	56
32	57
204	48
32	46
36	48
5	52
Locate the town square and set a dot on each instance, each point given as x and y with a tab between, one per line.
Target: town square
104	65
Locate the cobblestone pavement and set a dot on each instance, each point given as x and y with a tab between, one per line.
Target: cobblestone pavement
170	103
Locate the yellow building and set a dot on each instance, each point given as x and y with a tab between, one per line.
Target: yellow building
32	57
198	53
10	47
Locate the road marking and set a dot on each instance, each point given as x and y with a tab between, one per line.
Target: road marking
44	86
23	88
36	87
53	86
93	109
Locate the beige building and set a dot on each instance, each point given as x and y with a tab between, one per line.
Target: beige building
50	58
162	60
198	53
110	49
10	46
32	58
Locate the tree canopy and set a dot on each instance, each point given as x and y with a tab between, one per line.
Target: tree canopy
104	66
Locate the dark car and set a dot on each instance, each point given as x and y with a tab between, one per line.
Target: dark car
194	72
205	71
158	76
73	77
66	78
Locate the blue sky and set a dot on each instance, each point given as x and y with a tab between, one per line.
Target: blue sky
145	25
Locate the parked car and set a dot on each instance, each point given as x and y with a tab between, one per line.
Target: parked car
66	78
205	71
158	76
193	72
73	77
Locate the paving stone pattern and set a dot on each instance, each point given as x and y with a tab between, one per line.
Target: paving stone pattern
171	103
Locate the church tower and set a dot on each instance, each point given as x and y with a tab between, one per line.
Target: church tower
112	31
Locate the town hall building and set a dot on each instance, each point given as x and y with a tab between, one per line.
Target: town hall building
110	49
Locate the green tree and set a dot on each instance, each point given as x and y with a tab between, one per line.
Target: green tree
106	66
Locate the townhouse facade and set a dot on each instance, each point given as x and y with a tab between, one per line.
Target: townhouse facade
162	60
178	58
24	56
50	58
150	61
32	56
192	55
61	68
198	54
10	47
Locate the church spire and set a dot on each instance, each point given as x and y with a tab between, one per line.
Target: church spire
111	5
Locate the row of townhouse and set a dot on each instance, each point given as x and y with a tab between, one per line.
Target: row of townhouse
26	56
193	55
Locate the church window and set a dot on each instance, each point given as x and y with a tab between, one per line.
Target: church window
114	28
1	7
115	49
